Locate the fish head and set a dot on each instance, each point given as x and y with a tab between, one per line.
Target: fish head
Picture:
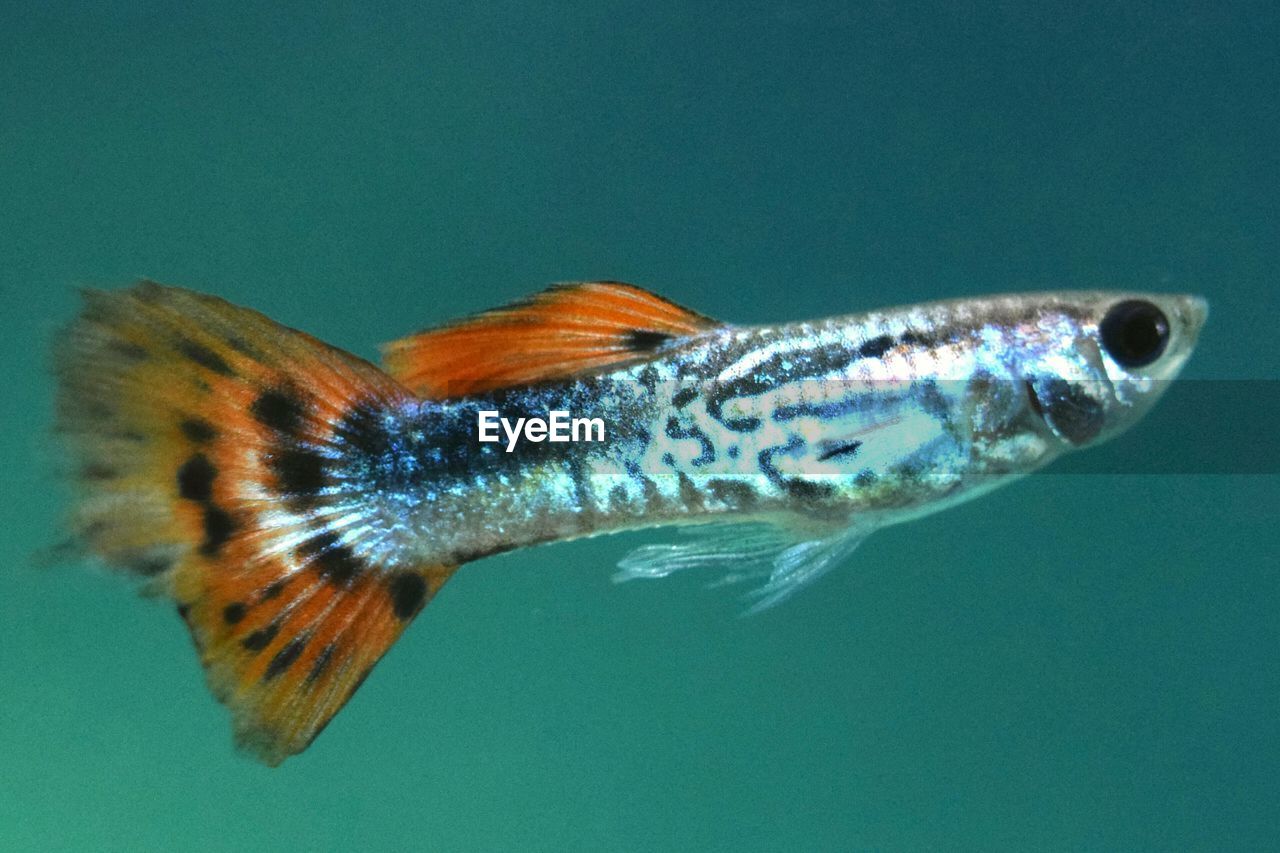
1093	364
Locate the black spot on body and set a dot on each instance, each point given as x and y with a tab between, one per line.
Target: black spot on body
825	411
749	424
675	430
1069	408
776	370
198	430
836	449
684	397
733	493
261	638
917	339
648	379
765	459
218	527
205	357
280	410
233	613
689	494
408	594
645	340
876	347
807	489
285	657
195	478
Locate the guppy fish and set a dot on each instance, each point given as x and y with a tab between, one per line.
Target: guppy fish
300	505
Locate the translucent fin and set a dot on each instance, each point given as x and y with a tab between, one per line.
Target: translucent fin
786	560
567	330
802	564
213	445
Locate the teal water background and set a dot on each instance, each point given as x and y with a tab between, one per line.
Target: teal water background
1084	662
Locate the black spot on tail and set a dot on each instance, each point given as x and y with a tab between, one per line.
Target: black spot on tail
195	478
299	472
198	430
233	613
218	527
365	430
205	357
321	663
279	409
285	657
332	560
408	594
261	638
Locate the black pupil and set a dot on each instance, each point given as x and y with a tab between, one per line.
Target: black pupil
1135	332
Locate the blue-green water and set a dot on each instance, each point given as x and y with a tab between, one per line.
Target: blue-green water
1075	662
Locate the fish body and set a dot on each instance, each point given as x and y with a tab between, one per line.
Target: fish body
860	420
301	505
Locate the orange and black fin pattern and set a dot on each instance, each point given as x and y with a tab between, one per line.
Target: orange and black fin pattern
216	454
565	331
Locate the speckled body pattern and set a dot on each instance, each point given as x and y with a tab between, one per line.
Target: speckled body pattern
867	419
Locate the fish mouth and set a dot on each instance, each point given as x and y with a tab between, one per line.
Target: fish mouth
1196	310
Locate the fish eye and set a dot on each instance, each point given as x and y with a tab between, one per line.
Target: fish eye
1134	332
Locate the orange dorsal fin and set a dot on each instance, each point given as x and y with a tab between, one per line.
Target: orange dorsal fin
565	331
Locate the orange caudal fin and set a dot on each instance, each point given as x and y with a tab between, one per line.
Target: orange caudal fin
567	330
215	451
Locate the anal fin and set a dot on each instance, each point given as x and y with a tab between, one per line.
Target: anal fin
787	560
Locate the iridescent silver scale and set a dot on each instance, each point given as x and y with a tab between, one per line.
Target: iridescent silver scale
820	432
